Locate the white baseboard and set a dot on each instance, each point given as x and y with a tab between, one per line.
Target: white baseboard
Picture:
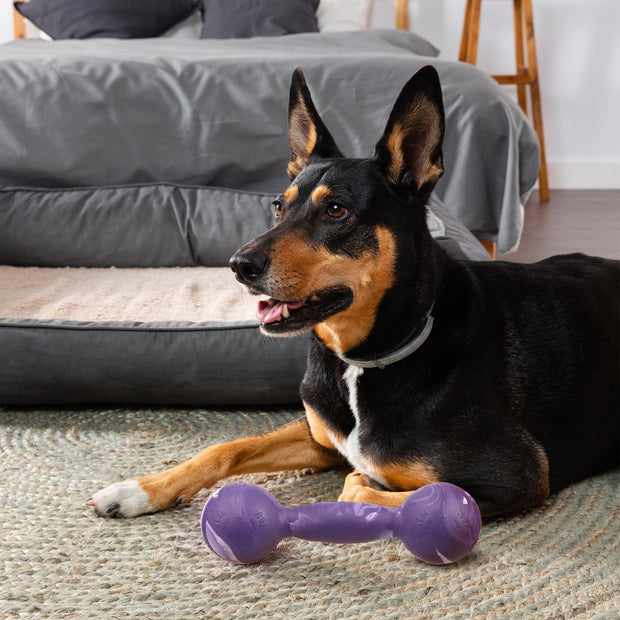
586	174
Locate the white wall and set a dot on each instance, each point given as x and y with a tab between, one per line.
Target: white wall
578	44
6	21
579	64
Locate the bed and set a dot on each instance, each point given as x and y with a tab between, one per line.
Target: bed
131	169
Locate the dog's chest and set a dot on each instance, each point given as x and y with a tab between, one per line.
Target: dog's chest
350	447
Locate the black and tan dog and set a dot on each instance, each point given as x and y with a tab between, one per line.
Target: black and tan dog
501	378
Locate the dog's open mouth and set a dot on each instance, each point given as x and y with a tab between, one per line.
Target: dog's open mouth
277	316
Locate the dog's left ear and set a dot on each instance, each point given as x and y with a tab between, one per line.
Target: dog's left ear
410	148
307	134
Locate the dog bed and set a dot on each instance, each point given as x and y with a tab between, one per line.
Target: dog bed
138	335
124	295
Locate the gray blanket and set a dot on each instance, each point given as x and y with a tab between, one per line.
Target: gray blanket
103	113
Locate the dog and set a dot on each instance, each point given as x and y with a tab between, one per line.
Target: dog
500	378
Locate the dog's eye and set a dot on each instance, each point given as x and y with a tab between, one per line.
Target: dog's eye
277	208
336	211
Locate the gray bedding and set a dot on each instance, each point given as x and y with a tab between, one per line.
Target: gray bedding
108	113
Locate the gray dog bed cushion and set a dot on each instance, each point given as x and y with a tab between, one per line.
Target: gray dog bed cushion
157	335
122	295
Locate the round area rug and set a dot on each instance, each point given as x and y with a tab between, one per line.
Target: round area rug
60	561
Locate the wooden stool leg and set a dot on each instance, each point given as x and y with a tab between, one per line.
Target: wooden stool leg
490	247
19	25
535	92
464	49
521	69
469	53
525	75
402	14
471	29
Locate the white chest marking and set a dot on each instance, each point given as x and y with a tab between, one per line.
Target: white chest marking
350	447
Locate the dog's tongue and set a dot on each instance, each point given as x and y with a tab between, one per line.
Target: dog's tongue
270	310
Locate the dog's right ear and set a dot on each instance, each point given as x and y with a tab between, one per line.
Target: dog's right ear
307	134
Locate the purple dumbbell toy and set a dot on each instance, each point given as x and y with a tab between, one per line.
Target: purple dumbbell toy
439	523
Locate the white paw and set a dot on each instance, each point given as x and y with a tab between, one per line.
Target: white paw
121	499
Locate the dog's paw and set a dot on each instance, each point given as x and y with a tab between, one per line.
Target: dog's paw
121	499
357	488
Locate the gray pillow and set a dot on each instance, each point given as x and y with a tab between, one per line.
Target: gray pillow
231	19
119	19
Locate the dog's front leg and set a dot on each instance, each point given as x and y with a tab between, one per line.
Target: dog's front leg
287	448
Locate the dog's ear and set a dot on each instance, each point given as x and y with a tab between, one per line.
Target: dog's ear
410	148
307	134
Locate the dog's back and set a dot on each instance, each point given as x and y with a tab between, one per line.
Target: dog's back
555	331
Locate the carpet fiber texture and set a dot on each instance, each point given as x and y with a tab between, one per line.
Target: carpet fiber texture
59	561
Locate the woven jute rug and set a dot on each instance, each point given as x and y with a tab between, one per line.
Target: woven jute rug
57	560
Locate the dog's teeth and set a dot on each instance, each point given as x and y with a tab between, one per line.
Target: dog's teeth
314	297
285	312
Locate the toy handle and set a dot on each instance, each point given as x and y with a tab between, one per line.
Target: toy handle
341	522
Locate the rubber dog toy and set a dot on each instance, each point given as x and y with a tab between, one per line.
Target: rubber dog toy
439	523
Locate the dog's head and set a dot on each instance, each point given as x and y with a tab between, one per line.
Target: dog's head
346	230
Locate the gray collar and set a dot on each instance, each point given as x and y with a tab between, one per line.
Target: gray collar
381	362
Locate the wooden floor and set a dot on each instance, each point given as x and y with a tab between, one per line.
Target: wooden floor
585	221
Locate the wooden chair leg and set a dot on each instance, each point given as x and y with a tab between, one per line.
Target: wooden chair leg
532	63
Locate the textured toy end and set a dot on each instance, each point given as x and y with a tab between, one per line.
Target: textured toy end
439	523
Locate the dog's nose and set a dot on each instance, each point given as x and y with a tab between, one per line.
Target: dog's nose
248	267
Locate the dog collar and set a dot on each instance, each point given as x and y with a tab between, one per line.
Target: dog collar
381	362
